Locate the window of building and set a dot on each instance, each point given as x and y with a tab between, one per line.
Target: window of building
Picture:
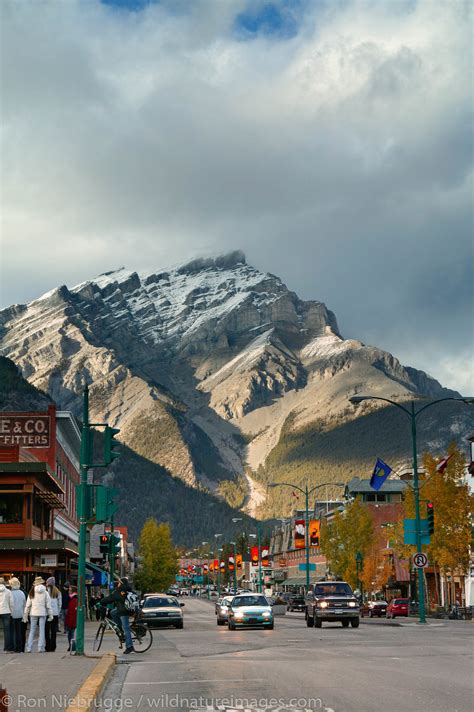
11	509
370	497
381	497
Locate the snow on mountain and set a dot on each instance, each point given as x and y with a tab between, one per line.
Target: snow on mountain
184	360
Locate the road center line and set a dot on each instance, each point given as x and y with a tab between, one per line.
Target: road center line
181	682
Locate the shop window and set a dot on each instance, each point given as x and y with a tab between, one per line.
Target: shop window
370	497
11	509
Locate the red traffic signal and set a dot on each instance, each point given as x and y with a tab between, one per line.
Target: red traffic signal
430	517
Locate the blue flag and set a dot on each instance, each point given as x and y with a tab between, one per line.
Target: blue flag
380	474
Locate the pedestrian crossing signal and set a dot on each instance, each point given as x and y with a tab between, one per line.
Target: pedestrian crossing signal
104	544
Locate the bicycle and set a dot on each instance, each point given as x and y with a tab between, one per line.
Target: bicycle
142	637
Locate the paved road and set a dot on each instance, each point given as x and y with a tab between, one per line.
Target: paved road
369	669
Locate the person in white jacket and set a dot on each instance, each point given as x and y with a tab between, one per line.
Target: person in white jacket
6	610
56	603
38	608
19	602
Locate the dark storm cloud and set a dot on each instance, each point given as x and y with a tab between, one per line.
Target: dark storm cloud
335	151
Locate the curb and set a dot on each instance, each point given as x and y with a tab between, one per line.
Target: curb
93	685
385	621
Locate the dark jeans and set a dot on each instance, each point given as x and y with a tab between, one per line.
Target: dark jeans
123	622
8	643
17	635
71	638
50	631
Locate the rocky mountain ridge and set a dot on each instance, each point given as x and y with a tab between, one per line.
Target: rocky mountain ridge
200	365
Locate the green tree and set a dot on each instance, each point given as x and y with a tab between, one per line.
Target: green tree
346	534
159	558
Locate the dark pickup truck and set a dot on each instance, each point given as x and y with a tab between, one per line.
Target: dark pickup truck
331	601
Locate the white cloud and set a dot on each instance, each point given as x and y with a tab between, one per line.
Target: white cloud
340	158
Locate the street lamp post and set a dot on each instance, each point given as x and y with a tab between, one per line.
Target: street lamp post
413	414
216	537
306	493
258	536
234	544
207	573
359	564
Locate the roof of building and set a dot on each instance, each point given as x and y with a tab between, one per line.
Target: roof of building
356	485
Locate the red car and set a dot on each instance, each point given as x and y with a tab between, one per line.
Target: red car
398	607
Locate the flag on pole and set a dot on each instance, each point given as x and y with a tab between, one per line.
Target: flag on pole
380	474
442	464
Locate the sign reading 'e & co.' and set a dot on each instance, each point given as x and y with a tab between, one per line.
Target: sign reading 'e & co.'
25	430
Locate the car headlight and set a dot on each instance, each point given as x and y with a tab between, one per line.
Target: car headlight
224	609
352	604
323	604
266	614
239	614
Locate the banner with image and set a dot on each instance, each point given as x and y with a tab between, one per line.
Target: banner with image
315	532
255	555
299	534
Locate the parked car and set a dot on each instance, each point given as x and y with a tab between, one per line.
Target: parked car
158	609
222	609
398	607
250	610
374	608
296	603
331	601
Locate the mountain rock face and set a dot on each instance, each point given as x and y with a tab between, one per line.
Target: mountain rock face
200	366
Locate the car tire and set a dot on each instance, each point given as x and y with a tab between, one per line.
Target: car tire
355	622
179	625
318	623
270	627
231	625
219	622
345	624
309	620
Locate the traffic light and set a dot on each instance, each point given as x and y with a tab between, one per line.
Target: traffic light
104	544
430	517
105	507
114	544
109	444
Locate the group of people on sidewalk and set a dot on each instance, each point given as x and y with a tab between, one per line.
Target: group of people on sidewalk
42	608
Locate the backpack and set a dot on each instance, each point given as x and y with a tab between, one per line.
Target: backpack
131	602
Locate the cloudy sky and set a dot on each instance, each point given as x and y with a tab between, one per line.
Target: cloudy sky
329	139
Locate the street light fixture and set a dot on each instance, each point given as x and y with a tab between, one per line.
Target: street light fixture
413	414
306	493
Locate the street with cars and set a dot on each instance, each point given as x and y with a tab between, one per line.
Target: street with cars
397	666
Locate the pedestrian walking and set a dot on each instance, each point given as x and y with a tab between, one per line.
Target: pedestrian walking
17	630
6	610
71	619
38	608
64	605
52	626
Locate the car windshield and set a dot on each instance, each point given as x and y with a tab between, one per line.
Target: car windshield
159	602
333	589
250	601
401	601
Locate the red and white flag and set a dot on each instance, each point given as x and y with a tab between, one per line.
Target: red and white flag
442	464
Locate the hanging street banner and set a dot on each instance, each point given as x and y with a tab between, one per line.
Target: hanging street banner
380	474
314	532
239	562
231	563
255	555
300	534
222	566
265	553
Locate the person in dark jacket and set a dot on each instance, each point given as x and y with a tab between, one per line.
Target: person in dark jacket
120	614
70	620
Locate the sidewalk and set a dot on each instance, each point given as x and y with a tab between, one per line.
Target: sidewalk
52	677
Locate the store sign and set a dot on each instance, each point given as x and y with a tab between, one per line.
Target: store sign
49	560
31	431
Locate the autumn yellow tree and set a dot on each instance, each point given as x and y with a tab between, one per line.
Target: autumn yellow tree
449	549
346	534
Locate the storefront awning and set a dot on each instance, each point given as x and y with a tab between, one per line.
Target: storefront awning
298	581
100	577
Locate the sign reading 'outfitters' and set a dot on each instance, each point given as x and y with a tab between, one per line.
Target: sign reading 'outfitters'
25	430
